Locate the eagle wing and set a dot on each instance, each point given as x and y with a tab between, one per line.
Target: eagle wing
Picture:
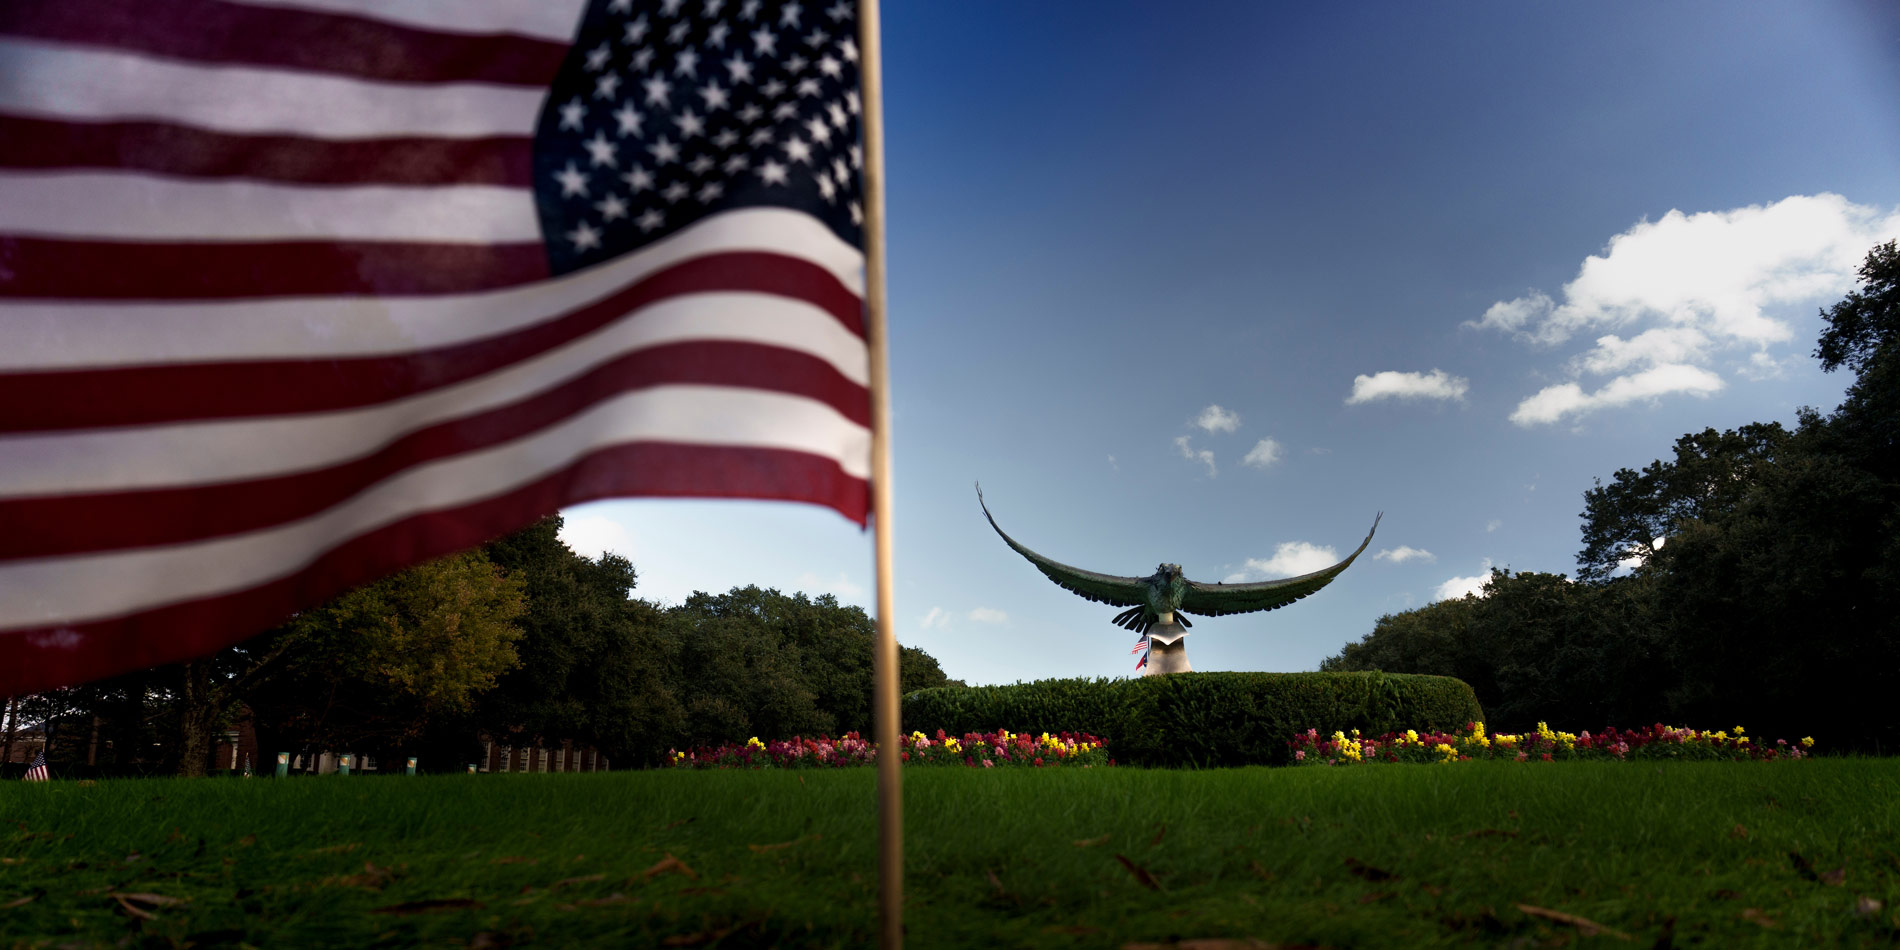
1105	588
1213	600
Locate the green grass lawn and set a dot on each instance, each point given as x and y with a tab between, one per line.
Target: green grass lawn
1690	854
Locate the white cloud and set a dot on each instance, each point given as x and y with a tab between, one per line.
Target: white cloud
592	535
1289	560
1203	456
1625	565
1111	464
988	615
1554	402
1216	419
1436	384
1403	553
1692	286
841	586
936	619
1264	453
1460	586
1492	525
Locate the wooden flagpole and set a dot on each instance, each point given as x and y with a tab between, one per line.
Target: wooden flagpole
890	792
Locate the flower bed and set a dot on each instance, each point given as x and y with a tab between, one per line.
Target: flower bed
1654	743
973	750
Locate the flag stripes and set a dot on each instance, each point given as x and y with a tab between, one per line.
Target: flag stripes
195	153
238	34
91	84
278	320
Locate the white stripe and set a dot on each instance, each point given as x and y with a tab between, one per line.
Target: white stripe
120	205
200	452
57	81
90	587
41	335
555	20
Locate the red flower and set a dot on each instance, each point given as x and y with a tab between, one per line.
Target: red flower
907	756
1038	761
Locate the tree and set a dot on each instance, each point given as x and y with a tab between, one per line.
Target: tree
594	662
1711	472
1863	334
374	667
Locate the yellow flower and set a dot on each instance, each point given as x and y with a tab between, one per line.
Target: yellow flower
1807	741
1739	730
1411	735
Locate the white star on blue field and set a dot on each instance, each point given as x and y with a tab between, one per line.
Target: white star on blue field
1213	283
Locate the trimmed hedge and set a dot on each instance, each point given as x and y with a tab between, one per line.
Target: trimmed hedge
1201	719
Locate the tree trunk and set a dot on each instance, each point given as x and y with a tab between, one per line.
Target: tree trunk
13	722
199	707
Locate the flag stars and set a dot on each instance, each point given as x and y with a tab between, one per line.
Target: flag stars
573	181
726	138
839	12
572	113
851	101
700	165
736	164
849	48
762	136
620	6
628	119
797	150
677	34
715	96
816	37
687	64
643	59
788	15
827	189
749	10
606	86
660	92
772	173
772	88
711	191
638	179
857	213
840	171
796	64
671	8
689	124
584	236
830	66
611	208
717	35
675	191
636	31
857	156
597	57
600	151
764	42
807	87
784	110
651	220
738	69
664	151
820	132
836	112
713	7
751	113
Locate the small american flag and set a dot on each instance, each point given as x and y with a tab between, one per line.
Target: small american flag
1141	647
37	771
297	293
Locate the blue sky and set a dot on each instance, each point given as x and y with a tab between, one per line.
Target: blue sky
1445	261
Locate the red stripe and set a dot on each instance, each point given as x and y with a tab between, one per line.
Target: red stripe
122	270
232	34
146	395
184	151
76	524
44	658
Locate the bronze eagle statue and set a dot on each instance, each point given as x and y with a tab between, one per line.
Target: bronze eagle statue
1162	599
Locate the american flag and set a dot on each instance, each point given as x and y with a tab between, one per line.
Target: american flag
297	293
37	771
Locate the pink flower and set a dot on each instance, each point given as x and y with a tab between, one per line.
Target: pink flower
1300	755
988	764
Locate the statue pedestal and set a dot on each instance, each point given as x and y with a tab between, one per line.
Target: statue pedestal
1167	650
